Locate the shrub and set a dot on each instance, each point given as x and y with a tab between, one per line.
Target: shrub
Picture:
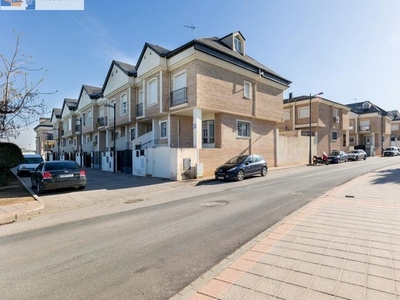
10	157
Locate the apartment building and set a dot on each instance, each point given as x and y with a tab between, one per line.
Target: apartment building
45	142
329	121
395	128
180	112
370	127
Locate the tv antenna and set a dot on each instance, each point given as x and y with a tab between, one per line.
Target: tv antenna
191	27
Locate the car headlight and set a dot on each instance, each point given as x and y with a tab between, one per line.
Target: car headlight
232	169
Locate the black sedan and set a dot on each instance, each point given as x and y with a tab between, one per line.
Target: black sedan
50	175
337	156
242	166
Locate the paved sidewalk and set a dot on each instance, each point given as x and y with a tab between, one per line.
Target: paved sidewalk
343	245
10	213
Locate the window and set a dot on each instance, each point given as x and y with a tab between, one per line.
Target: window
152	92
335	113
351	125
163	129
141	96
286	114
351	140
334	135
247	90
208	132
344	140
84	119
74	141
123	104
133	134
69	124
304	112
238	44
89	116
395	127
243	129
111	110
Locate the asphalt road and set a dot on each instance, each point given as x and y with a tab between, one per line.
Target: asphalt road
154	250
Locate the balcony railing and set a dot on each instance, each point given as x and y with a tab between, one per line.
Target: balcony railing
139	110
365	128
102	121
178	97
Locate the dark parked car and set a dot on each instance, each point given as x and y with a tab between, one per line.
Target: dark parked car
357	154
337	156
50	175
391	151
242	166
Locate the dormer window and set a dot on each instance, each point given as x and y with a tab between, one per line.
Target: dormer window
238	45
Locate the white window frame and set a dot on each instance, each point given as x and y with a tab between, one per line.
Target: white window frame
161	130
238	44
247	90
395	127
124	104
286	114
207	134
89	116
304	112
335	113
112	110
152	92
240	123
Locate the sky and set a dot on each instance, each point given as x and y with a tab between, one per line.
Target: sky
347	49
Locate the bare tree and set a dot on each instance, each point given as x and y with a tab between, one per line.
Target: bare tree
20	105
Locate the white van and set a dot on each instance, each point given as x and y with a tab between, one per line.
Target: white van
31	162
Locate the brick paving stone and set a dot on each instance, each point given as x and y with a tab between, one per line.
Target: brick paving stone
279	274
351	291
378	295
306	267
259	269
229	275
235	292
324	285
354	278
248	280
254	295
329	272
381	284
291	292
314	295
268	286
300	279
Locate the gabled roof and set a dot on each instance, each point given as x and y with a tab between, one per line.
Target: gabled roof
56	112
93	91
43	123
71	104
128	69
307	98
215	47
366	107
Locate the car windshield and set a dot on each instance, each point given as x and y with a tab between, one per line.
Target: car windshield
389	149
353	151
33	160
61	165
334	153
237	160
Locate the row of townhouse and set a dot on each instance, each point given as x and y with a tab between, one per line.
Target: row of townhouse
335	126
179	114
175	114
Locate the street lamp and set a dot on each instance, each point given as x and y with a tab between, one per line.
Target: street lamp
309	150
115	149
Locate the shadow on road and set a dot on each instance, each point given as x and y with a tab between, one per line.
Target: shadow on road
387	176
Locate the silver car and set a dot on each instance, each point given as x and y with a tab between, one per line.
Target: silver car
357	155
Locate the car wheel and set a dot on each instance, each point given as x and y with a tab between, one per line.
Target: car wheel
81	187
357	157
365	157
240	175
264	171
